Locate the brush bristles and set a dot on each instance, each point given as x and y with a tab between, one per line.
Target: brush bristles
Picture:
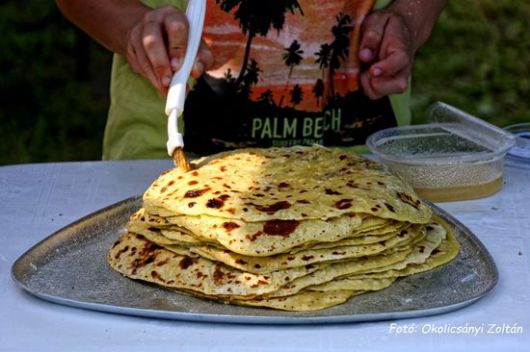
180	160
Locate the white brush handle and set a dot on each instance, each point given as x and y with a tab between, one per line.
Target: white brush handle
177	90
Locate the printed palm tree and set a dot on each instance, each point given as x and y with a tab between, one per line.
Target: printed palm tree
323	57
297	95
266	97
257	17
250	79
252	73
229	78
340	46
318	90
330	55
292	57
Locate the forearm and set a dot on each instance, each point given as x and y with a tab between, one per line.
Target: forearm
107	21
420	17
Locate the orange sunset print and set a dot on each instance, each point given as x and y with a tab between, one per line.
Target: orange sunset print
286	73
295	54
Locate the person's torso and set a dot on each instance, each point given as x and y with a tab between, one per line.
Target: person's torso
286	73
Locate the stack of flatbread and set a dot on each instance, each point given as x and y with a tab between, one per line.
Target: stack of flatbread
298	229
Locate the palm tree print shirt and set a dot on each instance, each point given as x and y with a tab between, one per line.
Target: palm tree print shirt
286	72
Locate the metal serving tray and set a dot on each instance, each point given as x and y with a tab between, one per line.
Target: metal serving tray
70	268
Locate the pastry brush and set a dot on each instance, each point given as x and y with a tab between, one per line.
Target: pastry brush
177	90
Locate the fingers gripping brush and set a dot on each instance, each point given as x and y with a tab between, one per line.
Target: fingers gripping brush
177	90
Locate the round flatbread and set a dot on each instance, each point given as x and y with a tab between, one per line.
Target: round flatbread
297	183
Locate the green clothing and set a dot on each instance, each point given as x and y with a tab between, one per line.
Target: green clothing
136	126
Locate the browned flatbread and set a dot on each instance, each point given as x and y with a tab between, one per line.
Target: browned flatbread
297	229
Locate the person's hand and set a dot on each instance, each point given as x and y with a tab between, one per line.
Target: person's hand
156	46
386	49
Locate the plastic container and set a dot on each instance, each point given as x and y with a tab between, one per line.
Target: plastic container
455	157
519	155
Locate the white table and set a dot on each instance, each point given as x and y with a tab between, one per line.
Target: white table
38	199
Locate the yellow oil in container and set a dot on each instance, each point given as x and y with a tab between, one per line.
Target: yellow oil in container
457	193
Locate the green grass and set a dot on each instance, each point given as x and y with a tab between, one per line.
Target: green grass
54	81
478	60
53	86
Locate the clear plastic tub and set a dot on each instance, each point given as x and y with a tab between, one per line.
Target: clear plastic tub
455	157
519	155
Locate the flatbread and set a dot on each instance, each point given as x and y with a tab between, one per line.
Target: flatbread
359	238
155	235
352	283
304	301
135	257
415	262
296	229
301	258
297	183
266	238
336	270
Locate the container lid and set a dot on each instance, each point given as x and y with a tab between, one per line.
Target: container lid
453	136
519	155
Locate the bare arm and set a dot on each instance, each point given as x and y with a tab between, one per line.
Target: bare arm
420	16
107	21
152	40
390	39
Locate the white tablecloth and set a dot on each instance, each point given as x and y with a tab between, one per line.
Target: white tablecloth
38	199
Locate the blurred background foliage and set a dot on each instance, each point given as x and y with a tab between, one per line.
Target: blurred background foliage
478	59
54	81
53	87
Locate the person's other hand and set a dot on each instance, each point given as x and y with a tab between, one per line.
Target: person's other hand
386	49
156	46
